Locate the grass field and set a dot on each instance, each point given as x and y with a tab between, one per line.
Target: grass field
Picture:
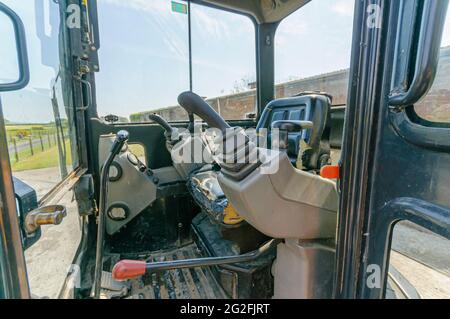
16	131
48	158
137	149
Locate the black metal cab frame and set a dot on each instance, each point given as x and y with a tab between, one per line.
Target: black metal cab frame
394	166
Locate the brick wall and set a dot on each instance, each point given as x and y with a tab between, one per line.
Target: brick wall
435	107
335	83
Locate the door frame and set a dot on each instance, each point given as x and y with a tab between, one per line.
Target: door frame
386	169
13	273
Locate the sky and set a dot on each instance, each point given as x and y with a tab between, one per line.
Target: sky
144	52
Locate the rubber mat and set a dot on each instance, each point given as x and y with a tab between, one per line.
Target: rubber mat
192	283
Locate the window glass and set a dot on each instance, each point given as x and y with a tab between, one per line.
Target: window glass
40	127
9	66
419	264
313	49
139	151
224	65
144	58
435	107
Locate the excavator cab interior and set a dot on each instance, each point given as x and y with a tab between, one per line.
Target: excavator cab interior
259	207
217	220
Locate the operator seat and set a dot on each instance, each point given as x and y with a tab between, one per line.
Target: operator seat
280	201
306	106
308	150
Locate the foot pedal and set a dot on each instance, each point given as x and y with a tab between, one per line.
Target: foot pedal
111	288
109	283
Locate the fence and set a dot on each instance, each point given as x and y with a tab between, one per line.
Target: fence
23	147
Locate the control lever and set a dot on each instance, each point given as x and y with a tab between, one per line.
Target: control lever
120	140
289	126
193	103
128	269
171	133
161	121
237	148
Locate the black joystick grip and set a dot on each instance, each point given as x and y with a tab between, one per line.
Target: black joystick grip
194	104
158	119
121	137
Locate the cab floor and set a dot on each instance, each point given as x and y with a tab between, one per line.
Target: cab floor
192	283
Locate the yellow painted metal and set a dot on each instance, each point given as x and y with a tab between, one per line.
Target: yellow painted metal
231	217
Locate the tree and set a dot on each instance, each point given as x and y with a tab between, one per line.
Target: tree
242	85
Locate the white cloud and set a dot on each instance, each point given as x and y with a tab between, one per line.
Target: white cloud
161	9
343	7
292	27
289	29
209	25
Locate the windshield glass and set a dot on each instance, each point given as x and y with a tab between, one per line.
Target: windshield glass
313	48
144	59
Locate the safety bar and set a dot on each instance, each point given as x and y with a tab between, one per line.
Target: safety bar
22	54
128	269
433	20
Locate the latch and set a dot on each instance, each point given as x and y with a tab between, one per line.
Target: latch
48	215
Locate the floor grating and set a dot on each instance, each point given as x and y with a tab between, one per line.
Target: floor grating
189	283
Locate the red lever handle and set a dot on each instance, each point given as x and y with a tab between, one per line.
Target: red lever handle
127	269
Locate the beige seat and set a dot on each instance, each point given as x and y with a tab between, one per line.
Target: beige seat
287	204
280	201
299	207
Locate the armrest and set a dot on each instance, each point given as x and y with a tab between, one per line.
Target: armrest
287	126
292	126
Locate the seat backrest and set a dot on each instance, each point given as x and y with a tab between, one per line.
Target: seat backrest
312	107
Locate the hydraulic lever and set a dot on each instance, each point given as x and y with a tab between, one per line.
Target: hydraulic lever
120	140
161	121
238	156
194	104
128	269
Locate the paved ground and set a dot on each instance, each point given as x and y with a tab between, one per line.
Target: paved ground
48	260
429	283
42	180
422	245
24	145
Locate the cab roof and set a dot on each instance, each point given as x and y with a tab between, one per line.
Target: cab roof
264	11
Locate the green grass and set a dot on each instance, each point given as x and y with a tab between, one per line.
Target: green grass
137	149
48	158
14	130
37	148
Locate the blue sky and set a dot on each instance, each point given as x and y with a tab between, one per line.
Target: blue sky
144	53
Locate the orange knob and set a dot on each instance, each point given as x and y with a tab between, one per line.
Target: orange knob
330	171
